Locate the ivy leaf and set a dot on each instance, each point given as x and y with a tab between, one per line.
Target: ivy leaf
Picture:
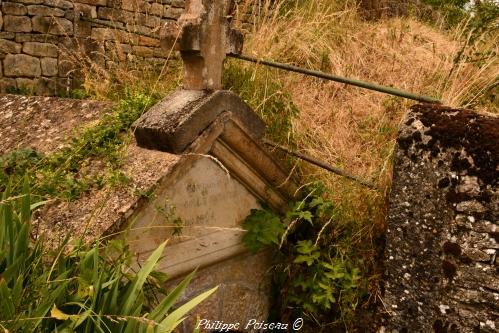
316	202
308	259
304	215
308	253
263	228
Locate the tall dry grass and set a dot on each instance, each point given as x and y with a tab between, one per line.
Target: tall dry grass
352	127
106	69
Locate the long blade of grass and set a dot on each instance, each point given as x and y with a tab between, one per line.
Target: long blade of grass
162	309
134	289
7	308
25	202
176	317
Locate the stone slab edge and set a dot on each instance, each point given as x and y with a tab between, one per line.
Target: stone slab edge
174	123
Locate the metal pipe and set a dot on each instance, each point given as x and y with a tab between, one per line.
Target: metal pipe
321	164
336	78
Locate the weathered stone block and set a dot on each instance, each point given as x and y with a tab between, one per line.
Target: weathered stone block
156	9
12	8
106	13
66	67
83	28
23	37
27	85
64	4
132	5
112	34
94	2
153	22
146	41
17	23
177	3
45	11
142	51
8	46
175	122
6	84
49	66
7	35
440	270
160	53
47	86
116	15
31	2
40	49
34	37
86	10
1	20
172	12
21	65
114	3
103	34
1	70
52	25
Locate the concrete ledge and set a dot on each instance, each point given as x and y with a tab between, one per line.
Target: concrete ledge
174	123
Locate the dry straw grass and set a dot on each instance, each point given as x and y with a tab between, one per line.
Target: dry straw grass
351	127
107	68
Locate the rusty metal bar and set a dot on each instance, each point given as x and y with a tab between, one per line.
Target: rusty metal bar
336	78
322	165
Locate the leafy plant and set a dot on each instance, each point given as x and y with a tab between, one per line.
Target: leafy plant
76	287
263	228
315	277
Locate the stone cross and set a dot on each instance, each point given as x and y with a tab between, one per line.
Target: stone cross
204	37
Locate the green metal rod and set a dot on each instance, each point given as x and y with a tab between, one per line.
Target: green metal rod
321	164
326	76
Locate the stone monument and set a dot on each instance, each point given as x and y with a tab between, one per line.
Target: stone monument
441	273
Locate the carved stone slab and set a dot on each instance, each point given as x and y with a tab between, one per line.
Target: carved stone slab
179	119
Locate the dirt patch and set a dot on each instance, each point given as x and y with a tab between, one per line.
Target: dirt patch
44	123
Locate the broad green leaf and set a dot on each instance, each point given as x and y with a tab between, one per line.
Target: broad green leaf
162	309
135	287
177	316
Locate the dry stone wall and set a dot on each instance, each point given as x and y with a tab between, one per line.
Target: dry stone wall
43	43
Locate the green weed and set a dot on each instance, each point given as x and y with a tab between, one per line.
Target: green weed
318	273
78	288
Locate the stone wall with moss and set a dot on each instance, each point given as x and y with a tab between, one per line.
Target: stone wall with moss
441	272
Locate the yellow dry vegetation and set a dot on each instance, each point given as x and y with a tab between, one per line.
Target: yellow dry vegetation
354	128
345	126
